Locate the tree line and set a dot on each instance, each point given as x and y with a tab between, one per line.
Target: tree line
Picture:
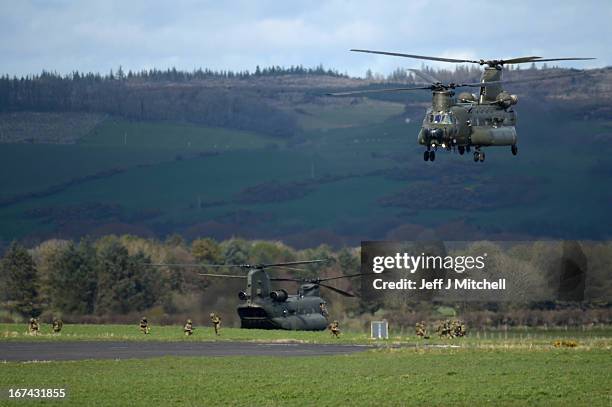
113	276
158	95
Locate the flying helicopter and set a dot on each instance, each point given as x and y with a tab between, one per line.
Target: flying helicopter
468	120
262	307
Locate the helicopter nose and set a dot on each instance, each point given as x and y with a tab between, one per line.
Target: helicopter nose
436	135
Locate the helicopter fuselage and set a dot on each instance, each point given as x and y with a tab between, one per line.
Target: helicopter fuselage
294	313
264	308
468	125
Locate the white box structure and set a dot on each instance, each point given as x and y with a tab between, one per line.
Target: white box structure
379	329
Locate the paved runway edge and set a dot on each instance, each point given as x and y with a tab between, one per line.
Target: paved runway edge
83	350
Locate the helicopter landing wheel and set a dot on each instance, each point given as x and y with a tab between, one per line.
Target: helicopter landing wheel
514	149
476	156
481	156
461	150
426	156
432	155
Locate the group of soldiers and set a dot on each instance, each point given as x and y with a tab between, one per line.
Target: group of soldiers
444	329
187	328
34	326
451	329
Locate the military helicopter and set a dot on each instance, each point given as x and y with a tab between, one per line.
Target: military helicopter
264	308
460	123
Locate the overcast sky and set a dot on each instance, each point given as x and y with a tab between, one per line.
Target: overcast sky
64	35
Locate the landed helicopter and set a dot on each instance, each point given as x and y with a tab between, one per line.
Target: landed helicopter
469	120
264	308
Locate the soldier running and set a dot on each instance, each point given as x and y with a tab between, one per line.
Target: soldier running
216	320
444	329
144	326
459	329
334	329
188	329
58	324
33	327
421	330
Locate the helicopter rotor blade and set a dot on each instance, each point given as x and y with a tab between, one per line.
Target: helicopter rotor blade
189	265
244	266
220	275
515	60
424	75
397	54
519	60
535	79
347	276
339	291
358	92
288	268
297	280
319	280
492	62
294	263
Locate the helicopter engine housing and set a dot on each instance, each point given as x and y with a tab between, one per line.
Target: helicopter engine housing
505	99
279	295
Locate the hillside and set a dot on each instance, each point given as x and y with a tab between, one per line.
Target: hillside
273	157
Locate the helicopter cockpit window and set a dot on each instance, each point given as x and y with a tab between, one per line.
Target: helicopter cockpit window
442	118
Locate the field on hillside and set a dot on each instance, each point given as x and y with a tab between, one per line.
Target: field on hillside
504	368
355	172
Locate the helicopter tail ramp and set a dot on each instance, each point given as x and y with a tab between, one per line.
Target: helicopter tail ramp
255	318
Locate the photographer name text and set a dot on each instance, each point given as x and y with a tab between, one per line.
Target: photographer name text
440	284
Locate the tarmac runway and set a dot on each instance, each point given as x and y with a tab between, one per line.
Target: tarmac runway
81	350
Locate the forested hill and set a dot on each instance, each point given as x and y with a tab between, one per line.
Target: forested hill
261	101
267	155
200	97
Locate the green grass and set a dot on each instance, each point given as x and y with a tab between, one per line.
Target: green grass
71	332
513	338
385	377
314	116
516	367
165	135
155	179
104	148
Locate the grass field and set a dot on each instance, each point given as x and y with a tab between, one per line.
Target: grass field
516	368
346	115
515	338
167	169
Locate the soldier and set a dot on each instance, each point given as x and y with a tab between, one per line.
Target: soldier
454	329
421	330
144	326
216	320
323	309
334	329
33	327
444	329
58	324
460	330
188	329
